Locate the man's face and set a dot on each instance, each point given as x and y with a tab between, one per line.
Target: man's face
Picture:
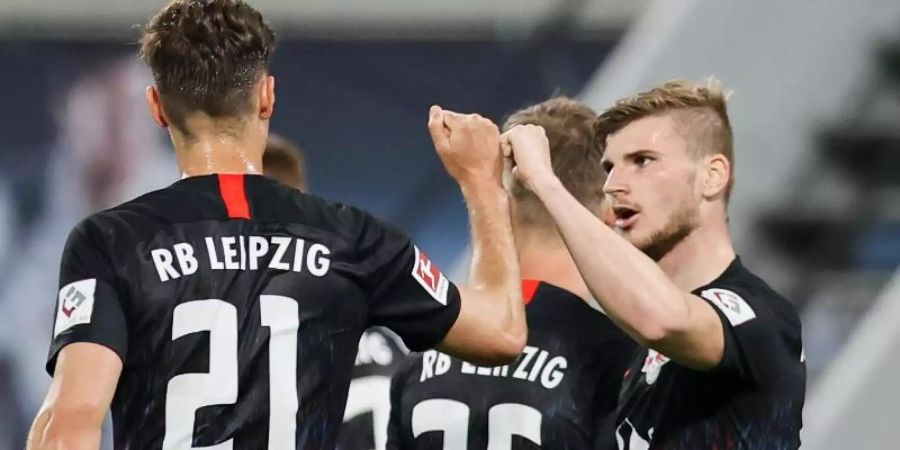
651	184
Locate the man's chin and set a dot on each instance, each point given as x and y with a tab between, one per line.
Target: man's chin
631	236
644	245
658	245
655	245
642	241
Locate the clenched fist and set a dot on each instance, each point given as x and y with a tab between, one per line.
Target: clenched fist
530	149
468	145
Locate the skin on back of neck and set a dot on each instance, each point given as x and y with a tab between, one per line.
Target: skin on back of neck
232	144
220	145
543	256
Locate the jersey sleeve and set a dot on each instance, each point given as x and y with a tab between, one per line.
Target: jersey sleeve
408	293
757	347
88	305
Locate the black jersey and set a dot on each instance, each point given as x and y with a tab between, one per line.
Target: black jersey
560	394
236	305
752	399
368	401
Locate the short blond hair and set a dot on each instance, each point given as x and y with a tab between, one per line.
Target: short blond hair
699	109
284	161
574	155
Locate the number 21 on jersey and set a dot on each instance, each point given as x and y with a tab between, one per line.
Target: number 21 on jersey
188	392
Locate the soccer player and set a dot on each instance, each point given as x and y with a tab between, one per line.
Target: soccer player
723	364
380	352
562	392
224	311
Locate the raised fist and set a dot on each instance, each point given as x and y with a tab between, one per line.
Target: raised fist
530	149
468	145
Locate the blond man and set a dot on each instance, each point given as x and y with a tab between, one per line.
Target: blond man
721	365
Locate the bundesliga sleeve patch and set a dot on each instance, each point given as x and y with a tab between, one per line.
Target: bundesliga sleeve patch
430	277
732	305
76	304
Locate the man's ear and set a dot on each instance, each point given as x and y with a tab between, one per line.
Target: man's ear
266	97
717	172
155	105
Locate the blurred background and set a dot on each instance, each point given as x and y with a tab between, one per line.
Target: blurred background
816	113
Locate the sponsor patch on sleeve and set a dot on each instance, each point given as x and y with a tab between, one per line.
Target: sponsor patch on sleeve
430	277
732	305
76	304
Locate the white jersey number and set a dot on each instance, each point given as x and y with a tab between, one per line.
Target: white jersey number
452	417
628	438
371	394
188	392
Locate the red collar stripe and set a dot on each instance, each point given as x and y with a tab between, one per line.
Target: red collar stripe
231	186
529	287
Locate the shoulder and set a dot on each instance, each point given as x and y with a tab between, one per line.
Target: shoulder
161	204
742	289
130	220
568	315
94	230
744	298
271	202
277	203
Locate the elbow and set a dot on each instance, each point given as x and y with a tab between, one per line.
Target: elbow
504	348
509	336
509	345
514	343
661	322
656	334
513	336
653	337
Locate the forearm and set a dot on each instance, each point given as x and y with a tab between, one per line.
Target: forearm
632	289
495	266
82	389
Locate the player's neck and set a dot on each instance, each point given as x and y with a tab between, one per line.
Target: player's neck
545	257
209	154
700	258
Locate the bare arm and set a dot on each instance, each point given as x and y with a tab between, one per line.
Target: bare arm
633	290
491	325
82	389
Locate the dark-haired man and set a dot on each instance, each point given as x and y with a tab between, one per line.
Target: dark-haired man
224	311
